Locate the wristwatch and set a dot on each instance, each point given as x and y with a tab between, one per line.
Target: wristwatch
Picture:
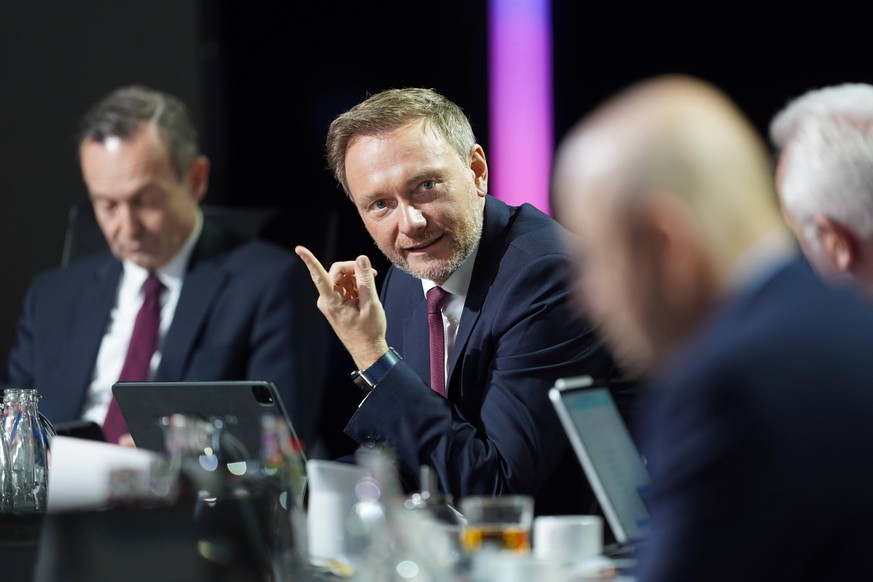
367	379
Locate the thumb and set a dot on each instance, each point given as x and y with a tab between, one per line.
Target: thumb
365	279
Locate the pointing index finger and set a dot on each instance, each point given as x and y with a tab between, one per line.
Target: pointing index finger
318	273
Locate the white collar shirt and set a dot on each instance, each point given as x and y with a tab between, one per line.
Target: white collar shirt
119	329
457	284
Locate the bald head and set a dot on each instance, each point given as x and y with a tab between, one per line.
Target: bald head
667	186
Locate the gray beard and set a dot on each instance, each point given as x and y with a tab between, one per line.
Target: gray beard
455	261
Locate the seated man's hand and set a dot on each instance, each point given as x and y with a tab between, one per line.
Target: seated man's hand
348	298
126	440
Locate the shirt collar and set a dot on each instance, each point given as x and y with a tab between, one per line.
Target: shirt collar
458	282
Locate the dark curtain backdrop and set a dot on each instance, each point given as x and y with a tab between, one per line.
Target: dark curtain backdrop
264	79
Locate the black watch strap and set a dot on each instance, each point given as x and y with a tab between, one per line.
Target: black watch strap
367	379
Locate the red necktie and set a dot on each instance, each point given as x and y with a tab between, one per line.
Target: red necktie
435	298
143	343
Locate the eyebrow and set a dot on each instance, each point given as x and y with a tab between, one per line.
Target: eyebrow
428	174
144	190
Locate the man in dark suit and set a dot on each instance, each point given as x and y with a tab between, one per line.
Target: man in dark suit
478	413
824	139
231	309
756	425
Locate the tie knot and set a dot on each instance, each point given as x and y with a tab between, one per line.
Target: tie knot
435	298
152	286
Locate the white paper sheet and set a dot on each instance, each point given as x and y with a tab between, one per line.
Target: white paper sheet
79	471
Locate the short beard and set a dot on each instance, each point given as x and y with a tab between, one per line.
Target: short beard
467	238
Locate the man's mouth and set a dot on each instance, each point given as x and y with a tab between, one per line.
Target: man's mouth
425	246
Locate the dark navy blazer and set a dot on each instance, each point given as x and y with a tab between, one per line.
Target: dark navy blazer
246	312
497	432
759	437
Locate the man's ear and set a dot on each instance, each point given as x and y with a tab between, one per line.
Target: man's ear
479	167
669	223
198	177
672	234
837	241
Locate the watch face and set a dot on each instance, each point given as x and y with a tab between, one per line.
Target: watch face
362	382
367	379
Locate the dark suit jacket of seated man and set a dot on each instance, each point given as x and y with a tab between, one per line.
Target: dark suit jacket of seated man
242	314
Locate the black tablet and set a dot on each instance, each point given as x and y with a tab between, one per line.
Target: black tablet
240	405
81	429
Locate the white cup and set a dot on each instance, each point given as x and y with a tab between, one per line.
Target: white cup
567	539
331	500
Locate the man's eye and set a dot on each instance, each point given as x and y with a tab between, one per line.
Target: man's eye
378	205
428	185
150	198
103	207
147	202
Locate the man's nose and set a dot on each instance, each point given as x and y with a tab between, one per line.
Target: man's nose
128	222
411	218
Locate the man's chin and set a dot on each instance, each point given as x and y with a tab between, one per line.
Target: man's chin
140	259
433	270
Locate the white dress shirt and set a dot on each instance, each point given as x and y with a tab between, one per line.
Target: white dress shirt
457	284
113	348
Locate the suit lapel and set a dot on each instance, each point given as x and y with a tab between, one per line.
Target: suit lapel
416	335
497	215
204	280
89	321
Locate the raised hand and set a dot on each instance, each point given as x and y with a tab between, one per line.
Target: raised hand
348	298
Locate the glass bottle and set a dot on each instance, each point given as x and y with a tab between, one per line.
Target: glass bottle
225	520
25	441
400	537
282	455
279	491
444	522
5	478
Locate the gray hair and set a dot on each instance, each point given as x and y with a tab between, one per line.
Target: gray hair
384	112
122	113
829	169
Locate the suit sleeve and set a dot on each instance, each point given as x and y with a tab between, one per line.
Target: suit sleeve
501	435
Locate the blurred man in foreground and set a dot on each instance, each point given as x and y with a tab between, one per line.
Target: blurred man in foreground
757	421
825	178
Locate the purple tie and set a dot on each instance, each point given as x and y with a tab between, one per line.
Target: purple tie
143	343
435	298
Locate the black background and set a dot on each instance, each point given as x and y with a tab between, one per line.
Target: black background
264	79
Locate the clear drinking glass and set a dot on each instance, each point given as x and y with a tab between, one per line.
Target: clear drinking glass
498	522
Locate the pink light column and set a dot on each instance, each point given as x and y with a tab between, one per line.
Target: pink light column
520	102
